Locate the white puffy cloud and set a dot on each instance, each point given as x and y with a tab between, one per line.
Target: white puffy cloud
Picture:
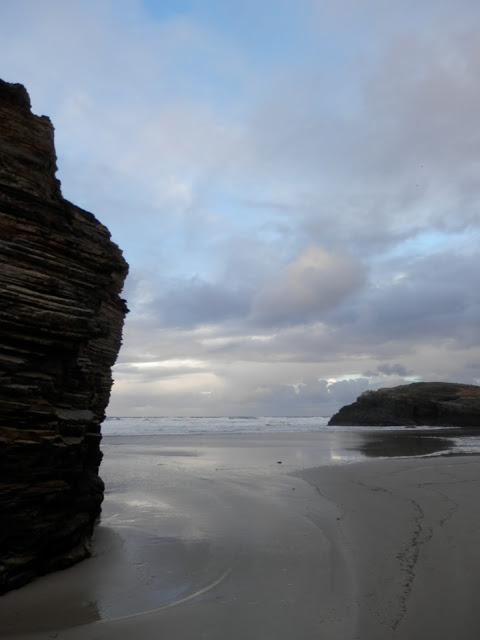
315	281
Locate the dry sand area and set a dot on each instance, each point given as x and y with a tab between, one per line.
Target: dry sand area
267	537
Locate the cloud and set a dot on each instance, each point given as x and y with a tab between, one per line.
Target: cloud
389	370
197	302
315	281
298	204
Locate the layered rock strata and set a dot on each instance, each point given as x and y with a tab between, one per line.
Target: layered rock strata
420	403
61	319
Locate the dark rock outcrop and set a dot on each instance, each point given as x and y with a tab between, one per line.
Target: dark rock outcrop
420	403
61	319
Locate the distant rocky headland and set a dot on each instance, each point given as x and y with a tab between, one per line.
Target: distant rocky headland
419	403
61	318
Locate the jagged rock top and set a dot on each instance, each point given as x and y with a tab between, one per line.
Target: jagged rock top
27	153
416	404
14	94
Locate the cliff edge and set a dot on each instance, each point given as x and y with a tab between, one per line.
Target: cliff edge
420	403
61	319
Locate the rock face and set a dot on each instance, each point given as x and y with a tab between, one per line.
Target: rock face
61	320
420	403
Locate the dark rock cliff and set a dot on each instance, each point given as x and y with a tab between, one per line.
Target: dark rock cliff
61	319
419	403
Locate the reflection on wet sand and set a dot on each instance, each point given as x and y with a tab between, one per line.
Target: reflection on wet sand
400	444
249	536
418	442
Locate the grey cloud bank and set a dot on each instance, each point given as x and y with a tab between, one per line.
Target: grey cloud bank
300	226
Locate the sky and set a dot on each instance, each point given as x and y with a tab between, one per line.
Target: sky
295	185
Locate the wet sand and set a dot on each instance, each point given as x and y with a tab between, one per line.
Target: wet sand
268	537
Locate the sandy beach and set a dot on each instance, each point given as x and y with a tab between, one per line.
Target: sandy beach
267	537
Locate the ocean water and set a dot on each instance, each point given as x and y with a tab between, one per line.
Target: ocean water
378	441
204	425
